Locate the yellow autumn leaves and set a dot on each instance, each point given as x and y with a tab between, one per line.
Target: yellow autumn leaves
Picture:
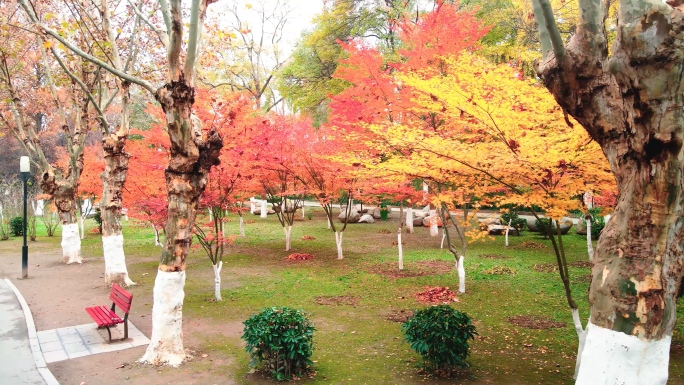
481	128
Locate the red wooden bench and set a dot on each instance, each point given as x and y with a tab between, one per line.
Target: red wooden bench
106	317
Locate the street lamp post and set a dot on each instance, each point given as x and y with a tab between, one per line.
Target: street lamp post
25	172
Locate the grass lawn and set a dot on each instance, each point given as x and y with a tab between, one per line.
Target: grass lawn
352	301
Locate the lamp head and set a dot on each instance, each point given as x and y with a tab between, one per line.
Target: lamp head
24	164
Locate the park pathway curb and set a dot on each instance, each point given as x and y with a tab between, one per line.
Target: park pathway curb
33	338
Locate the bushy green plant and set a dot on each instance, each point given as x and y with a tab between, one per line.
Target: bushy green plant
517	223
544	224
597	222
17	226
98	218
440	335
281	340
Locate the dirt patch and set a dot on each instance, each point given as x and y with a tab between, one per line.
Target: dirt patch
531	245
499	270
493	256
581	264
436	295
308	238
414	269
337	300
299	257
534	322
399	315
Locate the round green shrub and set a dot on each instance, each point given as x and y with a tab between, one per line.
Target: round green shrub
440	335
544	225
280	340
17	226
517	223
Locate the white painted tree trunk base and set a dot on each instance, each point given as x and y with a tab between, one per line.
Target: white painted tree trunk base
166	343
115	261
338	243
581	336
71	244
288	235
441	246
409	220
82	220
264	209
507	229
461	275
217	281
156	236
242	227
590	247
401	250
611	357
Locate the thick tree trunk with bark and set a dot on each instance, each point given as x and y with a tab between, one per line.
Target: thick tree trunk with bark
190	160
631	104
113	179
64	197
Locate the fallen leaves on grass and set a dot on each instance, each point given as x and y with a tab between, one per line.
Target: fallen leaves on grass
413	269
337	300
534	322
385	231
299	257
530	245
308	238
493	256
436	295
581	264
545	267
399	315
500	270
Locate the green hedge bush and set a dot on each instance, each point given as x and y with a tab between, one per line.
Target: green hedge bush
280	340
440	335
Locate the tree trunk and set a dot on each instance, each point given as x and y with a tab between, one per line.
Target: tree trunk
156	236
461	275
508	227
264	209
81	222
191	158
409	220
581	336
217	281
590	247
631	104
242	227
401	250
71	240
338	244
113	179
288	233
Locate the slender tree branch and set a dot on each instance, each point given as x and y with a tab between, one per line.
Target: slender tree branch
142	83
552	27
162	35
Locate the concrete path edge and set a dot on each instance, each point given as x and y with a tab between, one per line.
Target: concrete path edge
33	338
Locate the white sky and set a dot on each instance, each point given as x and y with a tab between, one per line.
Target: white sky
300	19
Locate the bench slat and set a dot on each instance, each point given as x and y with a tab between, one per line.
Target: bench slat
103	316
121	298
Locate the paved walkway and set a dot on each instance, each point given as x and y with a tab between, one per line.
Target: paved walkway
18	363
84	340
25	353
